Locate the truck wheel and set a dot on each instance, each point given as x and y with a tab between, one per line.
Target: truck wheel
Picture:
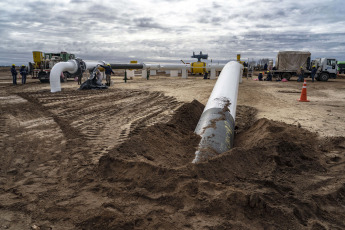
287	76
324	77
43	77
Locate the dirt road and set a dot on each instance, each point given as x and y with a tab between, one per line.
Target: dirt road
121	158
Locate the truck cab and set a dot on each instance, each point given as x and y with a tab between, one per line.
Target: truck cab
326	68
341	66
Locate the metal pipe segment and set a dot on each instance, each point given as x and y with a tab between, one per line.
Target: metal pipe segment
76	66
70	66
216	126
127	66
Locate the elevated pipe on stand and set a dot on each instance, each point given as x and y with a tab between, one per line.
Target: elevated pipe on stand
78	66
216	126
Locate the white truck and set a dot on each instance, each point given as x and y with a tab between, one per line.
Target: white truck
327	68
288	64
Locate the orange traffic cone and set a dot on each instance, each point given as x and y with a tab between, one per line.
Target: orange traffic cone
304	92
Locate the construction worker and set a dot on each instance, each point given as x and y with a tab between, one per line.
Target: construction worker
205	75
79	77
14	74
23	72
313	72
108	72
269	76
260	76
99	77
301	75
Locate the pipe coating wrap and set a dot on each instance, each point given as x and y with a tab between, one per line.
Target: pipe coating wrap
216	128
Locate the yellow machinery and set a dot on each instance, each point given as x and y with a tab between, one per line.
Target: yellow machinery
245	69
198	67
38	58
43	63
239	59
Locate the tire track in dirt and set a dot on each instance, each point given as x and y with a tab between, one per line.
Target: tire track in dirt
97	121
90	123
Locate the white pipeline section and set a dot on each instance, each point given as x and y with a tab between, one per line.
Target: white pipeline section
216	126
226	88
184	68
55	74
72	66
77	67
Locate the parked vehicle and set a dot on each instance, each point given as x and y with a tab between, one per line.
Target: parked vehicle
288	64
44	62
341	67
327	68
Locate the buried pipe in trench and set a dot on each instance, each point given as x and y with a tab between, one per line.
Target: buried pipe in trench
216	126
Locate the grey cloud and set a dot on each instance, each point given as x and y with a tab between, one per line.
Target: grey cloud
147	22
79	1
216	5
210	20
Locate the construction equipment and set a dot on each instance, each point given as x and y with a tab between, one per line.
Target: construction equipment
44	62
198	67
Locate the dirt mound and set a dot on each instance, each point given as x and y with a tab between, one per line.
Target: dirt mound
170	144
276	177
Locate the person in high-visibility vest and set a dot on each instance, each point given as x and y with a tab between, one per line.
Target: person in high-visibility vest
108	72
313	72
14	74
23	73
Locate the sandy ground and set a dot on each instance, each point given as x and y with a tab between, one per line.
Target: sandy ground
121	158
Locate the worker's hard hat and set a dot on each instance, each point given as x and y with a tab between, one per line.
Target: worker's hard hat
301	67
313	66
13	65
23	65
268	71
108	64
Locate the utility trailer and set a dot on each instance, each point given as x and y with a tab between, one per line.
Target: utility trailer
288	63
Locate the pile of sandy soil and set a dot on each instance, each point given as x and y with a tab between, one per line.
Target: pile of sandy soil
278	176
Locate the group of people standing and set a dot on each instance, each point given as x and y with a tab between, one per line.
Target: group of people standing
23	72
312	74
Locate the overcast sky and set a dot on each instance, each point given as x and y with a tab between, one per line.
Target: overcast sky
159	30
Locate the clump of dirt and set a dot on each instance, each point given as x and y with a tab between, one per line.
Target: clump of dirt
276	177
